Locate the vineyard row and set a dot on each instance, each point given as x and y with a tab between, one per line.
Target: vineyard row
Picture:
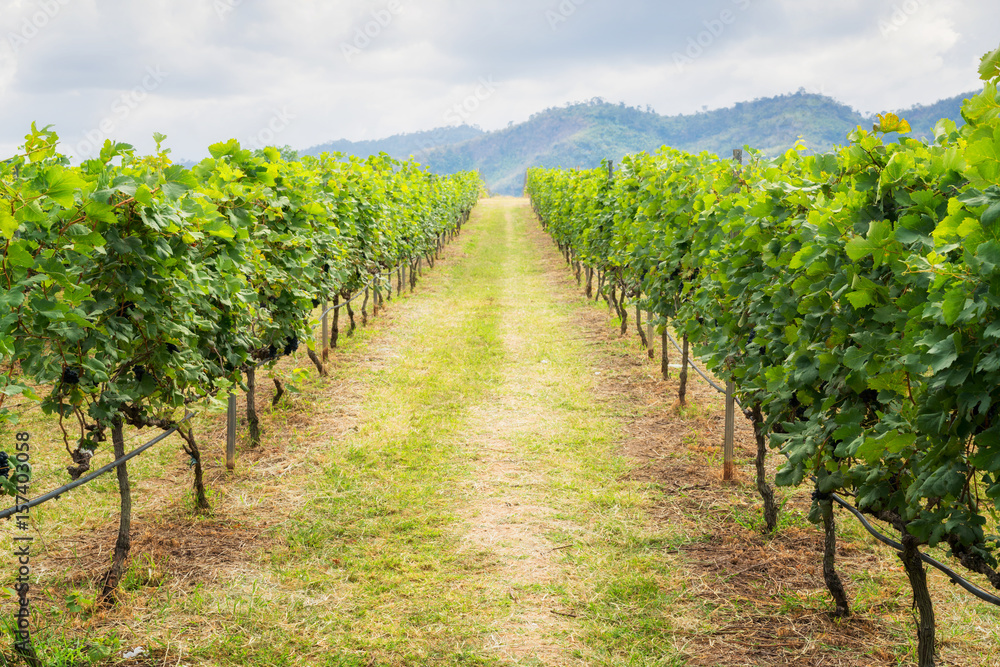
853	298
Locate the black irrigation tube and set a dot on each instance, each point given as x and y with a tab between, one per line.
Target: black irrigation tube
97	473
698	370
351	300
54	494
954	576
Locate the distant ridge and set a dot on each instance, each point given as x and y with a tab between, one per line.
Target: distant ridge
581	134
400	145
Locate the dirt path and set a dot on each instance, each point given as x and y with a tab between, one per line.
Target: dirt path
511	513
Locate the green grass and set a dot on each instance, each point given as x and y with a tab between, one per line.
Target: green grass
453	494
373	555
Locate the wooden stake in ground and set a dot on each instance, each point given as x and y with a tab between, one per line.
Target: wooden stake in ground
252	420
335	332
729	436
649	335
231	433
682	392
326	330
665	354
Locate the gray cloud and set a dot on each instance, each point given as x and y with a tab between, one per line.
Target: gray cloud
370	68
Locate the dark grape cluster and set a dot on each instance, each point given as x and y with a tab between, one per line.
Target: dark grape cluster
291	344
4	465
71	375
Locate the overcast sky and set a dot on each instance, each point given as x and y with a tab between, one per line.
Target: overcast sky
303	72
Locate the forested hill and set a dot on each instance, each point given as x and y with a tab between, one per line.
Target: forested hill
582	134
400	146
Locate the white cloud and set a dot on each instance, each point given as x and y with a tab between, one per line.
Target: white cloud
234	65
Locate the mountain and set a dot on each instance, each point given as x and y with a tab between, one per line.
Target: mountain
400	145
580	135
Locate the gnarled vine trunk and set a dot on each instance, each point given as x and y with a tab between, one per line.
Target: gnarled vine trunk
253	421
124	542
763	488
191	449
830	576
921	600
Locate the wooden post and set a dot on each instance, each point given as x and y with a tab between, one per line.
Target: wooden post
682	392
231	433
728	448
253	421
335	334
649	335
326	332
665	354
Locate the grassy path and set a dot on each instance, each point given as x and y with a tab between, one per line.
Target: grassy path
459	523
488	477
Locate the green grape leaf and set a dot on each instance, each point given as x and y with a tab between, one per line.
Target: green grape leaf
989	66
953	305
8	223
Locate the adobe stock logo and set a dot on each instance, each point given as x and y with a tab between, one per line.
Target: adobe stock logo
34	24
901	15
280	121
562	13
714	29
463	111
121	108
224	8
365	34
